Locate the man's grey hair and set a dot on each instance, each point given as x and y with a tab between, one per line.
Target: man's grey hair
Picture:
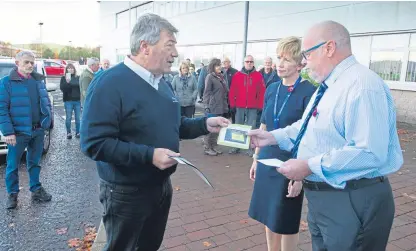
92	61
22	54
148	28
268	58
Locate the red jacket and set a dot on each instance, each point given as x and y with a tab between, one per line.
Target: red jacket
247	90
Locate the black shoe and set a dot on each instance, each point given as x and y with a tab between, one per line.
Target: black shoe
11	201
41	195
77	135
69	136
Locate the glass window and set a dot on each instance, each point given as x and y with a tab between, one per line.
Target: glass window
133	17
387	64
413	41
271	50
122	19
411	67
361	49
183	6
217	51
258	51
390	41
169	9
229	51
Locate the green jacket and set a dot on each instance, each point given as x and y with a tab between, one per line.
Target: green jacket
84	81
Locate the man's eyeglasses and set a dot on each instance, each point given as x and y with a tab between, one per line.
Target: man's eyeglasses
249	62
307	52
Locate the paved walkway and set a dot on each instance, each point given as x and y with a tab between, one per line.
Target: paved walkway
206	219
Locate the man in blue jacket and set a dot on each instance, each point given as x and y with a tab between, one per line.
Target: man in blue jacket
131	125
25	114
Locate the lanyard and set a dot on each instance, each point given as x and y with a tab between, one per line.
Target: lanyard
276	117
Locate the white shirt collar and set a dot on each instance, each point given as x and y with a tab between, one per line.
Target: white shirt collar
142	72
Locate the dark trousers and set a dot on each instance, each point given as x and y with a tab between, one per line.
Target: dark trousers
188	111
351	219
135	218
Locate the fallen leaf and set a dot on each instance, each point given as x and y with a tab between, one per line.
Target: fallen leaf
243	221
177	188
89	230
62	230
399	173
303	225
73	243
406	140
402	131
11	224
206	244
413	197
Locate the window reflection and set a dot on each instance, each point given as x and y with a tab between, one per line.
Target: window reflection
387	64
390	41
413	40
411	68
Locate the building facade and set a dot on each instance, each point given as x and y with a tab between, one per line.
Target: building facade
383	34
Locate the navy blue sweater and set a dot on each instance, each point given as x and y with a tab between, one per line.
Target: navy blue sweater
124	119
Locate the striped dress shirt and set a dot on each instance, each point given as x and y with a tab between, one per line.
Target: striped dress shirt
352	134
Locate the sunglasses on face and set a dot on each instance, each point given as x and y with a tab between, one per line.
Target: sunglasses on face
249	62
306	53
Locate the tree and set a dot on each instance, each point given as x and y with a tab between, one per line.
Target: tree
48	53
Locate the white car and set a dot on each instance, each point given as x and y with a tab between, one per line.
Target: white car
6	65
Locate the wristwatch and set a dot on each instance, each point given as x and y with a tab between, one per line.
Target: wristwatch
255	156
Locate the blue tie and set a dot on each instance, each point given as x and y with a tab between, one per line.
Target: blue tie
321	91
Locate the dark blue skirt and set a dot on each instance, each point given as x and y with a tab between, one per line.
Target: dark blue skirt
269	204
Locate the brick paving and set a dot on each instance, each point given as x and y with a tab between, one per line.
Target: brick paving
206	219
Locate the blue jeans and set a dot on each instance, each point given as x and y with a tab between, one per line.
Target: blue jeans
34	145
69	107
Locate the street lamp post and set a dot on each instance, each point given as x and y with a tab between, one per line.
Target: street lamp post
40	31
69	50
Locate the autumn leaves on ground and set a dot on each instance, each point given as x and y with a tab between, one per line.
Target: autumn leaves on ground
83	244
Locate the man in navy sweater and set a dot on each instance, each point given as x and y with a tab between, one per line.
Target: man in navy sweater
131	125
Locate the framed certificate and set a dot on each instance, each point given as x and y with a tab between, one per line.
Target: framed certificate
235	136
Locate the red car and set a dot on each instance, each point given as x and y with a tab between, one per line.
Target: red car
54	69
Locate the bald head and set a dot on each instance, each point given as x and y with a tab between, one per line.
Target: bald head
330	30
326	45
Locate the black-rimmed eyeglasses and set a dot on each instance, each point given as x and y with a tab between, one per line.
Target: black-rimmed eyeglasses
306	53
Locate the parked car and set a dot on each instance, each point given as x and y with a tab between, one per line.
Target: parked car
5	67
53	68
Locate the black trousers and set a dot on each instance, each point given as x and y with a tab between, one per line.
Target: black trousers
135	218
352	219
188	111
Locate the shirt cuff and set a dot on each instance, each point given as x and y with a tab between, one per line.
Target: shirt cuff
315	165
283	141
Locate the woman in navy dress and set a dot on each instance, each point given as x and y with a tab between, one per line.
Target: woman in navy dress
276	201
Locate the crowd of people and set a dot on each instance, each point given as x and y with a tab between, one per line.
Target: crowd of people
337	142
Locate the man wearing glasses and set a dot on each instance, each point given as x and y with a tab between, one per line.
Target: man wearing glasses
246	95
343	148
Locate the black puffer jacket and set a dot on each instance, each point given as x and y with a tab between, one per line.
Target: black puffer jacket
70	90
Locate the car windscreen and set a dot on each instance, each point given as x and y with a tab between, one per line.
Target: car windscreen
5	69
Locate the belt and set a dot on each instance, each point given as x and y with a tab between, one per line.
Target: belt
351	184
37	126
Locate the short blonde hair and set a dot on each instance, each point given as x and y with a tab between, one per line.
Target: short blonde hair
292	47
183	64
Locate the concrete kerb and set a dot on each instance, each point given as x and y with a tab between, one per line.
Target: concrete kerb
100	239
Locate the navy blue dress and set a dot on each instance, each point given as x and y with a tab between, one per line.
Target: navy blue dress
269	204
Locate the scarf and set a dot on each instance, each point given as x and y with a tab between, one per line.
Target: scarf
184	80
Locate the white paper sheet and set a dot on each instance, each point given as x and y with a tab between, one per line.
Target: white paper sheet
184	161
271	162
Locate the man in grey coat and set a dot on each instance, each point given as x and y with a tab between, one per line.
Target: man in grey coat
93	64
